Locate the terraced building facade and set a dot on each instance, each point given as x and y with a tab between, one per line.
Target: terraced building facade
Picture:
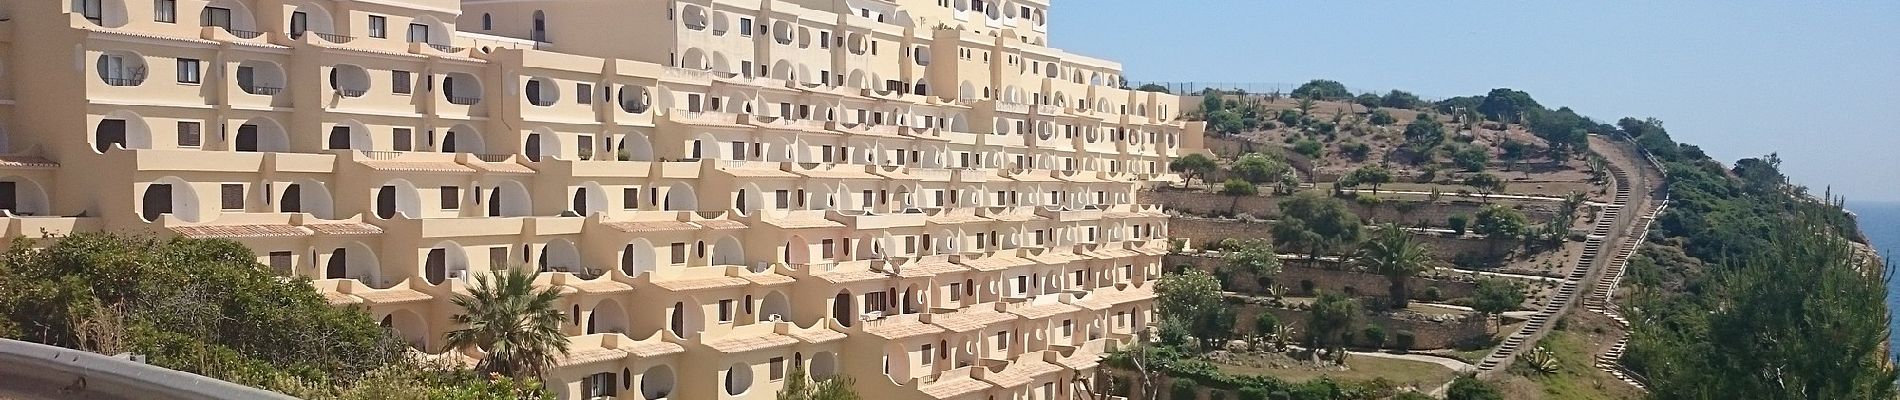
920	194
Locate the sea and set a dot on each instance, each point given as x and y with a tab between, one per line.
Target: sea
1881	222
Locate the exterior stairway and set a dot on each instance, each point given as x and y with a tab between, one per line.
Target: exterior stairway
1540	322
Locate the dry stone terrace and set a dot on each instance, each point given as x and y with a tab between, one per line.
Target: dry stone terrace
922	195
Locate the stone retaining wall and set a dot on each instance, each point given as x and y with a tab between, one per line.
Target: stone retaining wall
1293	275
1200	232
1268	207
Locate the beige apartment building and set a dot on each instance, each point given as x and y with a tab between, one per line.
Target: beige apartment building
919	194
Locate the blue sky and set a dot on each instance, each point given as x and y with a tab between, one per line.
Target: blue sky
1818	82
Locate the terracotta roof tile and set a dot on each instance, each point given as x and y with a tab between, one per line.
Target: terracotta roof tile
954	218
717	282
837	173
651	226
240	231
1081	359
653	349
970	319
1041	311
1016	217
816	335
600	286
851	276
417	166
393	296
1113	253
768	279
720	224
899	328
742	344
502	167
996	263
757	173
339	298
804	223
950	388
27	162
930	268
1055	257
1021	372
589	356
345	229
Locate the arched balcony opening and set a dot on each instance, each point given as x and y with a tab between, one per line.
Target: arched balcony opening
121	129
462	138
349	80
657	383
638	258
169	195
824	365
311	18
353	261
634	99
797	250
728	251
607	317
541	91
307	196
589	198
844	309
695	59
461	88
695	17
263	78
231	15
106	13
445	261
775	307
398	198
680	197
23	197
560	255
509	199
634	146
347	135
410	327
261	134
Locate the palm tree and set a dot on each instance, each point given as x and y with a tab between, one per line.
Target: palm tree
518	326
798	387
1394	254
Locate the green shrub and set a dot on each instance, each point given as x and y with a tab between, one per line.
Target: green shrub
1375	336
1458	223
1432	293
1253	393
1182	389
1404	339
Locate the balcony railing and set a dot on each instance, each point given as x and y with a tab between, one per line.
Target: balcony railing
334	38
463	100
134	81
244	34
264	90
493	157
447	48
352	92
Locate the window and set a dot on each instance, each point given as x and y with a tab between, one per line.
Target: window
679	253
188	71
188	133
451	197
402	138
778	368
1002	340
1068	327
93	10
956	292
418	33
280	261
630	198
378	27
745	27
488	21
584	93
824	39
231	196
725	311
400	83
925	353
165	11
783	199
827	248
216	16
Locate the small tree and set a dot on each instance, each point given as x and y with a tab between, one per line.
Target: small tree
1382	117
1182	389
1332	316
1258	168
1316	223
1308	147
1265	325
1394	254
1499	223
1192	166
1375	336
1254	256
1373	175
1237	189
1424	133
1458	223
799	387
1494	296
1486	184
1191	300
1404	340
1470	158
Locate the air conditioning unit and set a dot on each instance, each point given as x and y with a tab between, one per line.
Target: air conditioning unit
775	317
460	274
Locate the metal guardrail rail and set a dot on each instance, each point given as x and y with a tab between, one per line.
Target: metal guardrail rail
26	367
